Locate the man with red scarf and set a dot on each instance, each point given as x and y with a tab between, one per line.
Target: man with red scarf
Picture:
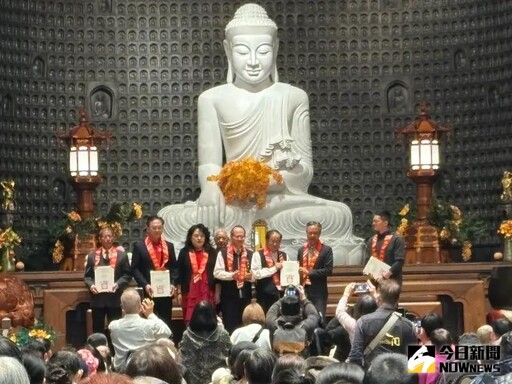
387	247
107	303
265	266
232	269
315	264
155	254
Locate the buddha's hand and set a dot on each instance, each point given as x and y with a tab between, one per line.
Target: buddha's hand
211	206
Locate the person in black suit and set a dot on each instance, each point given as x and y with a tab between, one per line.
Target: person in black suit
196	262
315	264
155	254
106	303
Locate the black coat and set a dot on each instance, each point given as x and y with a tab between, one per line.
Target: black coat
142	264
321	269
122	276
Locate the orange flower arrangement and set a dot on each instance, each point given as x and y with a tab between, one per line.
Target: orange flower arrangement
246	181
506	229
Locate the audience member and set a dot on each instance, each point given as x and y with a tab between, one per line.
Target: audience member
108	378
315	364
238	371
346	373
134	331
234	351
469	338
154	360
438	338
12	371
389	368
8	348
500	327
365	304
289	369
486	334
293	308
64	367
34	347
429	323
35	367
204	344
90	360
98	343
505	364
370	340
259	366
253	319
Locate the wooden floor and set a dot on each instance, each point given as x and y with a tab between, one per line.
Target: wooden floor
455	290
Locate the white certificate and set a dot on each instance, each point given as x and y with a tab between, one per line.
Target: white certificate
104	278
290	273
160	283
374	267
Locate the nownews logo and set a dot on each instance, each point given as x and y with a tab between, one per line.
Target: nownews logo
453	359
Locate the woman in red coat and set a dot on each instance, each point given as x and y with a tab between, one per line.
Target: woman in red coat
196	262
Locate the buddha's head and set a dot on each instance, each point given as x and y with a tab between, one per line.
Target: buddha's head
251	46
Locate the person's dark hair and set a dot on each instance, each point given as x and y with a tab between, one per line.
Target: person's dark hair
341	372
314	224
289	361
204	230
384	215
291	375
235	350
259	366
469	338
238	371
34	347
156	361
154	217
501	326
389	368
273	232
62	367
290	306
439	337
364	305
97	339
389	292
506	345
35	367
8	348
430	322
204	318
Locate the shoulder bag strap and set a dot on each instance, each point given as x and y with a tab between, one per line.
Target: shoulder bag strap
257	336
393	318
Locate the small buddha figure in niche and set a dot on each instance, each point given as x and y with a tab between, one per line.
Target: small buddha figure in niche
254	115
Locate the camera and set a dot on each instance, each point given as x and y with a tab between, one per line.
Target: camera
361	288
291	290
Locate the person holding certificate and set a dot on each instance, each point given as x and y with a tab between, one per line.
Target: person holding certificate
316	261
196	262
232	269
265	267
154	268
387	247
107	274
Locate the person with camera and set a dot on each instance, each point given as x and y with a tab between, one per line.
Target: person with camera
293	309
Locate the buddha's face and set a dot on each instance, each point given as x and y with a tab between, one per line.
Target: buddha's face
252	58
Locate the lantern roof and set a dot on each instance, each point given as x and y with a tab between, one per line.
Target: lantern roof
84	133
423	125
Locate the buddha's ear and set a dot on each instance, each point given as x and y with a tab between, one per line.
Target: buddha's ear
227	49
275	73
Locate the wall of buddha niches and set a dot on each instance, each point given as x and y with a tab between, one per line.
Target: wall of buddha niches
139	66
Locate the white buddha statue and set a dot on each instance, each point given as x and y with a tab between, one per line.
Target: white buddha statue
254	115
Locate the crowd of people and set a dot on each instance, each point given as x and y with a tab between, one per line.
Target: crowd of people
275	334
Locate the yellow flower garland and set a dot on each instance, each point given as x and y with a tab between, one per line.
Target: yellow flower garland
246	181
